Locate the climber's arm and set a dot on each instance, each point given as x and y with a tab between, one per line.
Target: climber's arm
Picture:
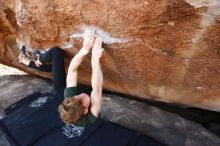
71	80
97	78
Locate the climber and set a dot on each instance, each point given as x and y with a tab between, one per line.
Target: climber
77	108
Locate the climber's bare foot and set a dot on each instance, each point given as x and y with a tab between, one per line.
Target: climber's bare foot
22	59
38	63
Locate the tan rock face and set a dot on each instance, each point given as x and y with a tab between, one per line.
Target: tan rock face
162	50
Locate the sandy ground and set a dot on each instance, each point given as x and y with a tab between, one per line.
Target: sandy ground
6	70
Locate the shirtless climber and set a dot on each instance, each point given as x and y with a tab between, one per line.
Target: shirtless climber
77	107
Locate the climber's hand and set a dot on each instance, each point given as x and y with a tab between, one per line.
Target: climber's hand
89	38
97	48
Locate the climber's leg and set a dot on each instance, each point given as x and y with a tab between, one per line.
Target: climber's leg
44	67
56	56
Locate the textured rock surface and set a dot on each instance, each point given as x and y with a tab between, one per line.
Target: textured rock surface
162	50
166	127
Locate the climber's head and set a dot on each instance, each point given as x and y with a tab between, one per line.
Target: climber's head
72	108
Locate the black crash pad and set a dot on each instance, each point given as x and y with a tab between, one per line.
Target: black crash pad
22	102
34	121
68	135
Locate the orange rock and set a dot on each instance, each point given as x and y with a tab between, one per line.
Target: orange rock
162	50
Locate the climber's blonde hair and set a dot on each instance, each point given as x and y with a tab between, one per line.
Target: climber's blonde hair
71	109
